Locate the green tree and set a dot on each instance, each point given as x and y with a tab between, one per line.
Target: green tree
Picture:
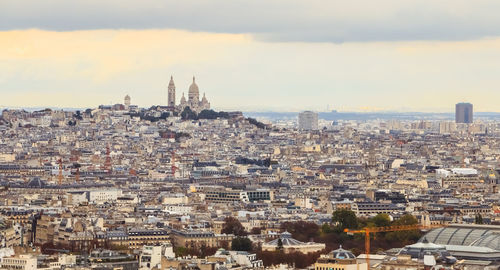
404	237
180	251
89	113
233	226
241	244
301	230
256	123
381	220
188	114
280	245
344	218
256	230
406	220
478	219
164	115
325	228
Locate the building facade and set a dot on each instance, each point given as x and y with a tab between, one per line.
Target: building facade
22	262
197	239
308	120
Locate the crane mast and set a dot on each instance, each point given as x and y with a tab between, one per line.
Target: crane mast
368	230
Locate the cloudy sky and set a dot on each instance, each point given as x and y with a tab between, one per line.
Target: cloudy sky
281	55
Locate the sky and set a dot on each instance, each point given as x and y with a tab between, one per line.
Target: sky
255	55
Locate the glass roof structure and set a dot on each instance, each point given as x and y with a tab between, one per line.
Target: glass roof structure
465	235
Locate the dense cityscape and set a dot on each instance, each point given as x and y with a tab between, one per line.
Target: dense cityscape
183	186
249	134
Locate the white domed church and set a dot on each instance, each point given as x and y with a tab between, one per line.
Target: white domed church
194	102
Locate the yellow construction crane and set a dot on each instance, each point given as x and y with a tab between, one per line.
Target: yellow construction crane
367	230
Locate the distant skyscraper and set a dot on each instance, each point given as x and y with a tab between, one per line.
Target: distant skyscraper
463	113
171	92
308	120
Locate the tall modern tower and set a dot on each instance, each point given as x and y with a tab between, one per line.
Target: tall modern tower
464	113
171	92
308	120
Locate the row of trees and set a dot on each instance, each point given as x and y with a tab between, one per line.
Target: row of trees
332	234
344	218
148	117
256	123
188	114
259	162
176	135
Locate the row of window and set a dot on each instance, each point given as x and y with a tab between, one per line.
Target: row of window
329	268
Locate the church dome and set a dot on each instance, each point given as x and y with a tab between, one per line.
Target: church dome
341	253
194	92
204	100
285	235
286	240
183	99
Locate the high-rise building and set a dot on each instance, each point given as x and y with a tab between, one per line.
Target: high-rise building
171	92
308	120
464	113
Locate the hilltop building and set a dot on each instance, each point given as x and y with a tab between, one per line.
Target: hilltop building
193	101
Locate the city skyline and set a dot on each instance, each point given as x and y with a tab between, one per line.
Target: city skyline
249	135
302	57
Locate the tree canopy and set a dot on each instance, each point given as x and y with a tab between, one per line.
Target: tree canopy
233	226
188	114
344	219
404	237
301	230
478	219
241	244
256	123
380	220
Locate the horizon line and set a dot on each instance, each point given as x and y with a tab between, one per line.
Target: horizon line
2	107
